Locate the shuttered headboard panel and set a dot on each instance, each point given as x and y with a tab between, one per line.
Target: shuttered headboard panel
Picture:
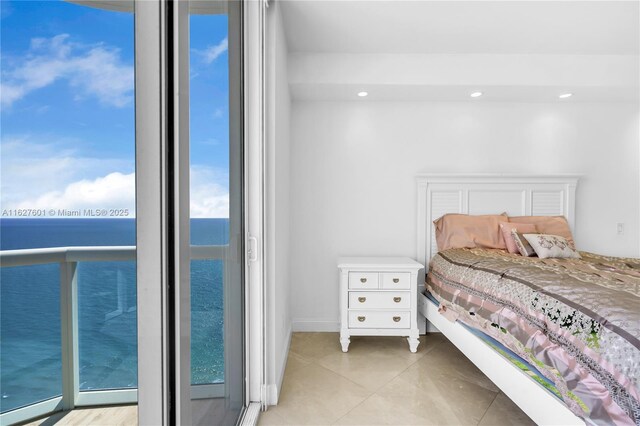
517	195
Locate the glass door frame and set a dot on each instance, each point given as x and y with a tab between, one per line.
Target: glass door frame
162	208
152	215
163	251
253	72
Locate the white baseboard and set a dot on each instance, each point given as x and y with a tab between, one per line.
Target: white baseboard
317	325
273	389
287	347
272	394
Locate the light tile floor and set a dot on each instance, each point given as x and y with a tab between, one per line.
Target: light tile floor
379	382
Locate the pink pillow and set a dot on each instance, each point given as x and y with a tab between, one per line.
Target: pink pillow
553	225
467	231
521	228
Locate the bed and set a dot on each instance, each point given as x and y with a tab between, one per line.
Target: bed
572	323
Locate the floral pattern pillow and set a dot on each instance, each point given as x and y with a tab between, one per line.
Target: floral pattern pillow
547	246
507	228
523	245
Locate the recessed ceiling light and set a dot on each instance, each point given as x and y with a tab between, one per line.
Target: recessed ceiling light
476	94
565	95
363	94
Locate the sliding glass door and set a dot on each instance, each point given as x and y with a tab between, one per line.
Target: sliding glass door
122	213
191	247
217	362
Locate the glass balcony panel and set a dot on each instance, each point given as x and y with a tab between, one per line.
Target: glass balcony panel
216	167
67	154
207	308
107	325
31	360
207	321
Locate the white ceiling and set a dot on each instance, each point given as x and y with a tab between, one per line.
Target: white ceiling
459	27
513	51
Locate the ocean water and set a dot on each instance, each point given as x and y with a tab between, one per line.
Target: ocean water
30	349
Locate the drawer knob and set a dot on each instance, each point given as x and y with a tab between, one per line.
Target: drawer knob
395	319
396	280
362	299
397	299
361	319
363	280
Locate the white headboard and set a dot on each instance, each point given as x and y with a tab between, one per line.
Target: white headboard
518	195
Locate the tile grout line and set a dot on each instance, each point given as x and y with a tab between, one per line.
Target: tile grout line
356	406
488	407
340	375
373	393
414	362
380	387
316	362
349	380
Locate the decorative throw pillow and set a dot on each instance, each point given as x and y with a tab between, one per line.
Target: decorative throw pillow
507	228
547	246
550	225
523	245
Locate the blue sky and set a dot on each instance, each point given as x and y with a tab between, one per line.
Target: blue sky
67	120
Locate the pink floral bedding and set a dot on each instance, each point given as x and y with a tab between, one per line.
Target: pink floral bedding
576	320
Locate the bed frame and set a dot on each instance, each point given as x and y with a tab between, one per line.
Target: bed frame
517	195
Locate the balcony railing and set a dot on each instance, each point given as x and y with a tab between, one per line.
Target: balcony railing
68	258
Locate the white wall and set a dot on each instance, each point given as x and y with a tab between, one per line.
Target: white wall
353	166
277	208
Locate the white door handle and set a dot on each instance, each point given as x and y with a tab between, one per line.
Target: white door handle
252	249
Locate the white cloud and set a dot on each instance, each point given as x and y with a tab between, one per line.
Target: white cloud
34	165
49	176
209	194
96	70
113	191
117	191
218	113
212	53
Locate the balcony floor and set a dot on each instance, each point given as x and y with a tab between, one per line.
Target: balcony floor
99	416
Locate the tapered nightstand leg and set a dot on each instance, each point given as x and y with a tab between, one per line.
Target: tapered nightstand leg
413	343
344	341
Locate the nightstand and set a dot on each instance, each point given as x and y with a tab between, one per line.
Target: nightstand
378	297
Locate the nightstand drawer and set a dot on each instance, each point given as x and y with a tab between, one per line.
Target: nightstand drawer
379	319
364	280
379	300
396	280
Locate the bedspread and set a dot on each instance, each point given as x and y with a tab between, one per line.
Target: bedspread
576	320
